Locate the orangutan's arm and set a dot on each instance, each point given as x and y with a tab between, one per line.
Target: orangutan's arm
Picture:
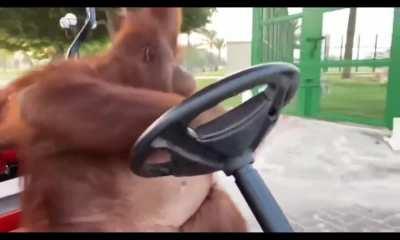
91	114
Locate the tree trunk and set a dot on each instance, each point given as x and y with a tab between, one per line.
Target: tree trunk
188	39
348	51
219	56
112	21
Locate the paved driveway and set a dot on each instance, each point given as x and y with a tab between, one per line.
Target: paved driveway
329	177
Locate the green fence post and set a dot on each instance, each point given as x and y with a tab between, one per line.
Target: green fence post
326	51
310	62
268	39
257	40
341	53
257	37
393	87
358	49
375	49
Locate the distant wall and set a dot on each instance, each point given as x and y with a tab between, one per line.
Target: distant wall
238	56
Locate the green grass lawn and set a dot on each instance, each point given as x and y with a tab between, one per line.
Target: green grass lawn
360	96
220	72
228	103
203	81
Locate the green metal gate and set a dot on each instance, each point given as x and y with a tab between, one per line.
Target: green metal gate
323	93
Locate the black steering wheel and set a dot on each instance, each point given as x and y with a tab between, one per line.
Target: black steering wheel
226	143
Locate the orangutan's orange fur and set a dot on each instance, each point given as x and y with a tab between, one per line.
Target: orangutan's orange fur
73	123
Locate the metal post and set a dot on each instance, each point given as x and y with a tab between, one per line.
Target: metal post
376	45
273	50
326	51
393	88
310	64
257	48
358	50
341	53
260	200
257	41
268	31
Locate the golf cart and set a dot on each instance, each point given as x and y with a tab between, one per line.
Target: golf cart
224	144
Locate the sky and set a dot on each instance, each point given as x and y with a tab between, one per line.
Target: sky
234	24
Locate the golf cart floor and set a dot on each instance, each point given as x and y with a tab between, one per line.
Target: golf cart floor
329	177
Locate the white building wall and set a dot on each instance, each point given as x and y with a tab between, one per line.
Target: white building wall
238	56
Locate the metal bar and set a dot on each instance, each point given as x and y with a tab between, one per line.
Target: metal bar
279	41
283	18
393	88
376	46
297	15
325	10
275	42
90	23
268	33
290	42
272	43
358	50
286	46
274	38
360	63
257	48
260	200
309	98
341	53
326	51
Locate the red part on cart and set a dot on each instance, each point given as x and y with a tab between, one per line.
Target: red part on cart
10	221
7	158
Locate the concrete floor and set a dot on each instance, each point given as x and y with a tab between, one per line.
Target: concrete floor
329	177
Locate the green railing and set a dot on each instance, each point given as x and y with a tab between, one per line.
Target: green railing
359	100
356	63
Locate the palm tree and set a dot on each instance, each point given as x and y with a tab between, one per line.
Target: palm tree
219	43
210	36
212	41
